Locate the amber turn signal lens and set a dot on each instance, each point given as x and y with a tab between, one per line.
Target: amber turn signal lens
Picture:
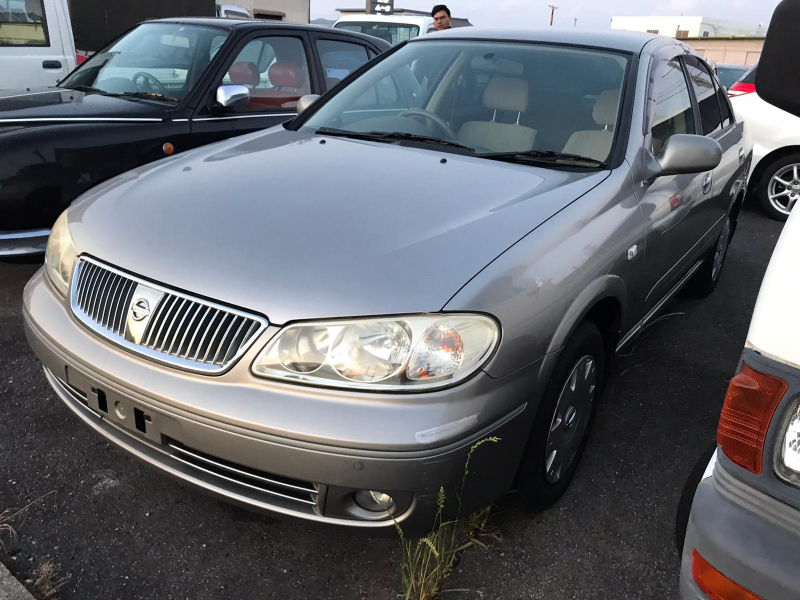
715	585
749	405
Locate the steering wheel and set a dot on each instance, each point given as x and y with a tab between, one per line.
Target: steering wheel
152	82
426	114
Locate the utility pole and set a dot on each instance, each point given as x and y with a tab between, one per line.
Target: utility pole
553	9
575	24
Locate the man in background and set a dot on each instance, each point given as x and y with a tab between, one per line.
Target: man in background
441	17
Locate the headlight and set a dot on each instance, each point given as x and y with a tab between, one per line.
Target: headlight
395	353
59	259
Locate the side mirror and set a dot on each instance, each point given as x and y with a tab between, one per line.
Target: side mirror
232	97
686	154
306	101
778	76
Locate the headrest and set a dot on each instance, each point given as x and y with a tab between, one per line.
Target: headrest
506	93
244	73
606	107
284	74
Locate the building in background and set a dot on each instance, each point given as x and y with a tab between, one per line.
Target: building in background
683	27
293	11
731	50
405	12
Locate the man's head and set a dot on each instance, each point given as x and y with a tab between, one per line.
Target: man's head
441	17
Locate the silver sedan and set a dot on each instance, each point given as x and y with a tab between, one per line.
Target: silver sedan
320	320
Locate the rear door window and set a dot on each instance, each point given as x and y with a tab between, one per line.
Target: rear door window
706	95
23	23
339	59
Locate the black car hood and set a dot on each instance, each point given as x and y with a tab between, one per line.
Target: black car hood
53	103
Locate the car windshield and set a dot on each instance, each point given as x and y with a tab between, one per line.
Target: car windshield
491	98
730	75
156	61
394	33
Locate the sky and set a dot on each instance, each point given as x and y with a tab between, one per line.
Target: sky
591	14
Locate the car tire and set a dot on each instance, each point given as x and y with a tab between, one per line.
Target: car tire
707	277
687	496
785	169
563	420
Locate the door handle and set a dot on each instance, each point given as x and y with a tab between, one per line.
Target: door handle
52	64
741	156
707	181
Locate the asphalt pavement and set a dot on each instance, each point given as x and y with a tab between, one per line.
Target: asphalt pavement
122	531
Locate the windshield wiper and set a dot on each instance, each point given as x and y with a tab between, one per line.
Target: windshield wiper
147	96
544	156
84	88
393	136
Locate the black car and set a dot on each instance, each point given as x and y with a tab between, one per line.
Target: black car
164	87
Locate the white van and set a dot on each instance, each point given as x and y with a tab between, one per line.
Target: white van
36	44
391	28
230	11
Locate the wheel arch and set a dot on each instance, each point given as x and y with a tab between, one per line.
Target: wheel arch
767	161
604	303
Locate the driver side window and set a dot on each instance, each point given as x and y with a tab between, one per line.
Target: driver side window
274	69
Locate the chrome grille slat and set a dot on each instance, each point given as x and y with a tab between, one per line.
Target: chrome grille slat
171	325
101	297
297	491
196	331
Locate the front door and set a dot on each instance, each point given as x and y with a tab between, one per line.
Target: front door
275	67
674	206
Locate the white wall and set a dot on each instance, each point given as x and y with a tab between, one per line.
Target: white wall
667	26
297	11
695	26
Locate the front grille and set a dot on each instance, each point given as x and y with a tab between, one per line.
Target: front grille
266	483
176	329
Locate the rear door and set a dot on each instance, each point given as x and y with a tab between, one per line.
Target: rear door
276	66
717	122
32	44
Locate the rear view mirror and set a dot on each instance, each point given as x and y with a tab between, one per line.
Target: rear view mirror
232	97
778	77
306	101
176	41
687	154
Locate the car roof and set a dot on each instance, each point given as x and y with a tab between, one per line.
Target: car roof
626	41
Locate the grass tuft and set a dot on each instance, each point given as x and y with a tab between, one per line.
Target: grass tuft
428	562
48	581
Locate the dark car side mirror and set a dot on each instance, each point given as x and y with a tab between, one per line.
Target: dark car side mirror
685	154
778	77
232	97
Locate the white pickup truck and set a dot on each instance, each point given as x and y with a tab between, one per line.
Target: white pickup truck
37	48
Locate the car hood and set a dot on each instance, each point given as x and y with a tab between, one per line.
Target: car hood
296	226
58	103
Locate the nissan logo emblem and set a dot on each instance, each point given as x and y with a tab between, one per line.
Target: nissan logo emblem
140	309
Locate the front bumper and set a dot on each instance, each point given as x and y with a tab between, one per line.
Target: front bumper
20	243
751	538
203	430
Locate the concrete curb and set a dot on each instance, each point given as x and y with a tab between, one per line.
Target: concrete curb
10	588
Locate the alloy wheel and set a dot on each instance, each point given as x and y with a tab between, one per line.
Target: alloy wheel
784	188
570	418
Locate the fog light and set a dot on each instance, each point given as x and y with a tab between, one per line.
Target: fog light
374	501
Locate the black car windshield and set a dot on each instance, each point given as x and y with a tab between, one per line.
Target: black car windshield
492	97
156	61
394	33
